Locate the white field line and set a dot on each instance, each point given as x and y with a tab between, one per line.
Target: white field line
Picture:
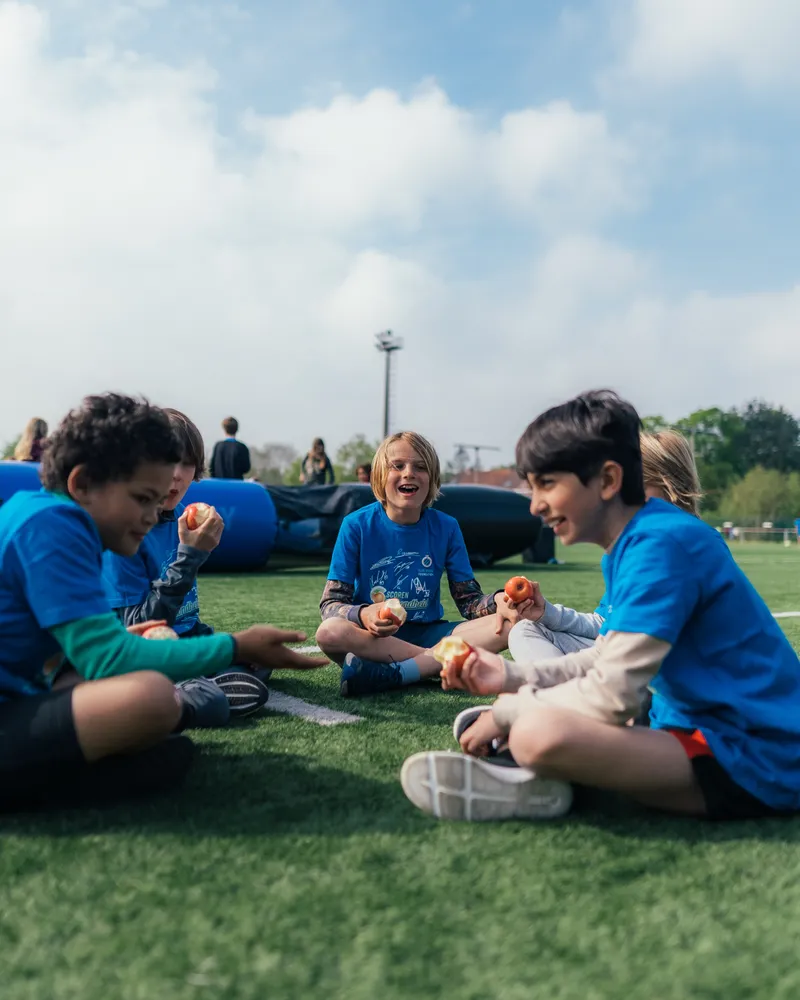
786	614
288	705
307	649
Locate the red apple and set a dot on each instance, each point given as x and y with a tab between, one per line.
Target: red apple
519	589
393	611
452	650
197	514
160	632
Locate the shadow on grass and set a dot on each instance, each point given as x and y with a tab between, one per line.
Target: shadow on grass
237	795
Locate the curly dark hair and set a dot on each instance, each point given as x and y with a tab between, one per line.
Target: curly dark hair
112	435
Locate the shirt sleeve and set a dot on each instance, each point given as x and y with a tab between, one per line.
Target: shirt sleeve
457	564
99	646
464	588
656	588
338	598
161	598
560	619
59	559
212	465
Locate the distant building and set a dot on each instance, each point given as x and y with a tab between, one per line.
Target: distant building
506	478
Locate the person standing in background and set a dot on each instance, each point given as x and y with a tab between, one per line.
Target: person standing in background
30	445
230	458
317	466
363	472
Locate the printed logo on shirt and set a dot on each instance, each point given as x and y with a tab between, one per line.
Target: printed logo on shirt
427	562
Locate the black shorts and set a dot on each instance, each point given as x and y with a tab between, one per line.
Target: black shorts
41	762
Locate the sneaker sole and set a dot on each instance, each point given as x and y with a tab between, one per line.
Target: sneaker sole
245	693
454	786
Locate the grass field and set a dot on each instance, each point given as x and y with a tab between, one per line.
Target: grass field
291	865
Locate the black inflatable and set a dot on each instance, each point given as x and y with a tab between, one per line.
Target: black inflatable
496	523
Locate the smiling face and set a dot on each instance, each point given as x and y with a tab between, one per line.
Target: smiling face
124	510
576	512
407	482
182	478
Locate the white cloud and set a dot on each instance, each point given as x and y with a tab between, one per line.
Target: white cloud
142	249
672	42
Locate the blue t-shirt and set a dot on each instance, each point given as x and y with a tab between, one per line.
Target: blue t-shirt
50	574
382	559
731	672
128	578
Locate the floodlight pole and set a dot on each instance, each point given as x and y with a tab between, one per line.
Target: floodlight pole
387	343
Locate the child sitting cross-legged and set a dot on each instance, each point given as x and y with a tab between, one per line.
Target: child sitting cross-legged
398	548
107	471
682	619
160	582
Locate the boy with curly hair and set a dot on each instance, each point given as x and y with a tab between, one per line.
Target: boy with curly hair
106	473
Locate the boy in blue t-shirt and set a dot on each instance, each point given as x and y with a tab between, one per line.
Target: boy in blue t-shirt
682	618
160	581
106	471
399	548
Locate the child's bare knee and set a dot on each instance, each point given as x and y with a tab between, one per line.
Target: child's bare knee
537	739
330	633
155	697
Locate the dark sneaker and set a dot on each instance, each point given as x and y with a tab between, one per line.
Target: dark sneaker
368	677
243	691
467	718
204	705
454	786
262	673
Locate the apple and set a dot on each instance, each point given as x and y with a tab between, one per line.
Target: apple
197	514
160	632
518	589
452	650
392	611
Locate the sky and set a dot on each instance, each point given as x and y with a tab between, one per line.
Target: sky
219	204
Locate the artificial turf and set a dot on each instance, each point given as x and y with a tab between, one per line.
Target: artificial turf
291	865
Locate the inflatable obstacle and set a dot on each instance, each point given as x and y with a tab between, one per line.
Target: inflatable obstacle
301	523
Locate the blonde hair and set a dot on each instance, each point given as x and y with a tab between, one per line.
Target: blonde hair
35	430
425	450
668	465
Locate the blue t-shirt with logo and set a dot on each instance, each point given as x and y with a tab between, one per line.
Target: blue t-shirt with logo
128	578
50	574
381	559
731	672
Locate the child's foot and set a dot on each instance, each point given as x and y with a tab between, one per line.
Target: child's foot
455	786
243	691
361	676
467	718
204	705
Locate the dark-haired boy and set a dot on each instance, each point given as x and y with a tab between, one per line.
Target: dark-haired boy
230	458
106	472
682	618
160	582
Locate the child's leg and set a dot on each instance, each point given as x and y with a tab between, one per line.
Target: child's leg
337	637
93	742
649	765
531	641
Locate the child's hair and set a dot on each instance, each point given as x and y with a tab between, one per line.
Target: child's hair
317	443
191	441
669	466
366	468
231	426
111	435
580	436
425	450
35	430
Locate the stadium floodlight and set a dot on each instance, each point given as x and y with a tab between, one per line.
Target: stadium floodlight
387	343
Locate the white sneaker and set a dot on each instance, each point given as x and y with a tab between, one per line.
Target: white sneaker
456	786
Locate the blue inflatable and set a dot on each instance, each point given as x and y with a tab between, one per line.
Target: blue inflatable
251	523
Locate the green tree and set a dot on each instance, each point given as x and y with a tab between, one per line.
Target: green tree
762	495
8	450
357	451
654	424
272	461
769	437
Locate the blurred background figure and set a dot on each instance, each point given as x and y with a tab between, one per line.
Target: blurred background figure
363	472
317	468
230	458
30	445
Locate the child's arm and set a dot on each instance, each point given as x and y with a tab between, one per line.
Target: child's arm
611	687
165	596
558	618
338	597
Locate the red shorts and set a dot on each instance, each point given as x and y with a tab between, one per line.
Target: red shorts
695	744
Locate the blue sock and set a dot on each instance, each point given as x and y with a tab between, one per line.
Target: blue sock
408	670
